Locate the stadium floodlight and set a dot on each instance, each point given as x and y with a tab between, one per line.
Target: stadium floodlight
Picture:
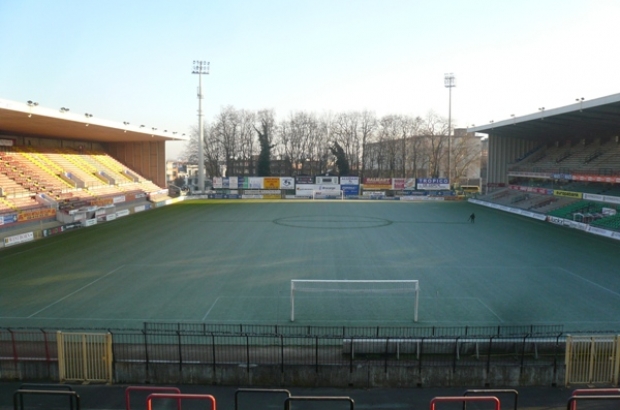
357	286
449	82
200	68
31	104
580	101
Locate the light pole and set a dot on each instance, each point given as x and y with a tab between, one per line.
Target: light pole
449	83
200	68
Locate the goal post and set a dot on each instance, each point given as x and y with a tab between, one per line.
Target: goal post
321	194
357	286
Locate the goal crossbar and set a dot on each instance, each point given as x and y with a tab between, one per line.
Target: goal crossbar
306	285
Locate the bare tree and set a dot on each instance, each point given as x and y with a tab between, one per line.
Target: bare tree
392	146
213	153
435	133
466	155
267	124
248	143
227	129
211	149
344	131
294	139
190	151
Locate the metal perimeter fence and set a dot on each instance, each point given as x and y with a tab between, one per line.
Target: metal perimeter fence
217	345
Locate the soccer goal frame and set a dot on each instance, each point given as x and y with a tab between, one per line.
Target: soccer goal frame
305	285
327	194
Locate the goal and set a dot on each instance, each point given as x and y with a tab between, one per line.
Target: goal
357	286
318	194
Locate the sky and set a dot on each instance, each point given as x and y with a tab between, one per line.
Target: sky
132	60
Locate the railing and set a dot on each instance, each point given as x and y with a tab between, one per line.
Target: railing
207	349
250	345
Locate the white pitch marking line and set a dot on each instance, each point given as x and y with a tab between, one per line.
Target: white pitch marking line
75	291
590	282
209	311
490	310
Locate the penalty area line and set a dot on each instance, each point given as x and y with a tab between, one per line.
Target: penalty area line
590	282
75	291
211	308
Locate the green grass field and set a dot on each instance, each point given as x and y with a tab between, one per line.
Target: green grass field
232	262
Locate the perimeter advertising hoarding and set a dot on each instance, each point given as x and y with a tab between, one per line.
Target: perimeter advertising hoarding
597	178
218	183
271	182
602	198
223	183
287	183
536	190
327	180
255	183
568	194
304	180
350	190
409	184
377	183
349	181
20	238
8	219
226	183
36	214
242	182
433	183
403	184
304	189
321	187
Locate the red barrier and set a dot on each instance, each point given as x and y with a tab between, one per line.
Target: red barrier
591	392
464	399
151	389
208	397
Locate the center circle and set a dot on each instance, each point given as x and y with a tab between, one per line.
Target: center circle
332	222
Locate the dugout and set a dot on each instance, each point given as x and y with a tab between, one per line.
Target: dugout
582	126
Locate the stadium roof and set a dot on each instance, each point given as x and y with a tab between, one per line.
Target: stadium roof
22	119
584	119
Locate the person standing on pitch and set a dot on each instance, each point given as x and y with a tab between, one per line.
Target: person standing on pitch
472	218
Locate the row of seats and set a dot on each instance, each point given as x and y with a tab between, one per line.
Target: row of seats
26	171
562	207
573	156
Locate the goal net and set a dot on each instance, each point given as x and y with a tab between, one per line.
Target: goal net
318	194
411	289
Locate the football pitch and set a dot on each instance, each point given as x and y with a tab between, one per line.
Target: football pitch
232	262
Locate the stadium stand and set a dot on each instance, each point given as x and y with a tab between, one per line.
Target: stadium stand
565	168
66	179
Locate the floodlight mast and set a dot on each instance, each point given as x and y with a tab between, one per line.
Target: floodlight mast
449	83
200	68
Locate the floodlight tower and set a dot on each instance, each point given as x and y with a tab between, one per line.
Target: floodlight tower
449	83
200	68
